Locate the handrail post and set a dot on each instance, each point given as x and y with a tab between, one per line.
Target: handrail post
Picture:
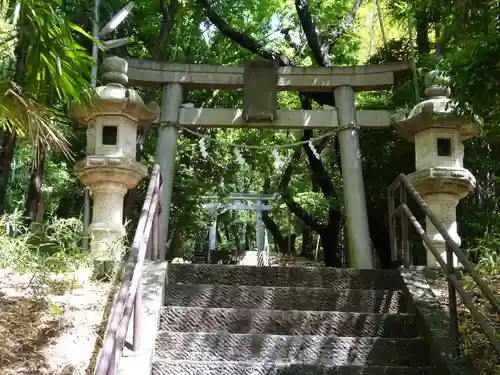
392	226
149	250
112	363
162	236
405	243
452	303
155	235
138	309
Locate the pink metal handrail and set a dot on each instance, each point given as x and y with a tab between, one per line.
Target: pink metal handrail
403	212
129	298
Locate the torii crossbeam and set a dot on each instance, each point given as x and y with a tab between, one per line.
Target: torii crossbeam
260	111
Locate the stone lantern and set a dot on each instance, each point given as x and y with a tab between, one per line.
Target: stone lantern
438	133
110	168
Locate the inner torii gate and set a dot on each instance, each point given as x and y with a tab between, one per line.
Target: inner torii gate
260	82
258	204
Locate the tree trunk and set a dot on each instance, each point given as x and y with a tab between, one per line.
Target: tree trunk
225	229
307	242
343	248
34	201
248	236
289	244
328	240
235	232
279	240
7	149
422	26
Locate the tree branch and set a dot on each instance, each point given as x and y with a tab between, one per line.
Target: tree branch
254	46
346	24
319	53
269	221
167	12
319	174
296	209
158	53
273	228
286	34
238	37
287	174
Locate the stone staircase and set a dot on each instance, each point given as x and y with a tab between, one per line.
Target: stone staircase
231	320
199	257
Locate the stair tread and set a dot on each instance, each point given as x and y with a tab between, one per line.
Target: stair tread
165	367
285	276
304	336
249	320
284	298
313	349
287	322
283	288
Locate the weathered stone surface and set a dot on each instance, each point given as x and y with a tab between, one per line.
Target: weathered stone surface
319	277
322	350
436	323
230	320
252	368
268	298
280	322
110	168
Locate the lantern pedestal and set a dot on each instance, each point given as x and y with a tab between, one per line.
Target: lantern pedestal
110	169
440	178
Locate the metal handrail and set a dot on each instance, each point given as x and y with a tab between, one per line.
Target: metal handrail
448	267
129	300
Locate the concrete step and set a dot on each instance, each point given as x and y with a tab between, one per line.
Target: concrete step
319	350
288	322
259	368
286	298
318	277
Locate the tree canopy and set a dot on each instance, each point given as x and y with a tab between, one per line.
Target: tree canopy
47	65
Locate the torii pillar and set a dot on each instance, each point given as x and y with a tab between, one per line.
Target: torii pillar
358	233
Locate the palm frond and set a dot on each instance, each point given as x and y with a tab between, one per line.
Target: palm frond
21	113
56	72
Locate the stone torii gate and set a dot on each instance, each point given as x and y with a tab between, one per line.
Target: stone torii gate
260	82
258	205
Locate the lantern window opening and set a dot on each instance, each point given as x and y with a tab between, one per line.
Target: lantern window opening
109	135
444	147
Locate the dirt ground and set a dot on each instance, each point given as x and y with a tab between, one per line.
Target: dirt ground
53	326
475	342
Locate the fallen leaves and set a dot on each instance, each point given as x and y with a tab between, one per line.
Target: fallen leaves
53	333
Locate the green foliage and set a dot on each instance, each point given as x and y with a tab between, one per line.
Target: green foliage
475	74
51	247
470	57
484	251
43	65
